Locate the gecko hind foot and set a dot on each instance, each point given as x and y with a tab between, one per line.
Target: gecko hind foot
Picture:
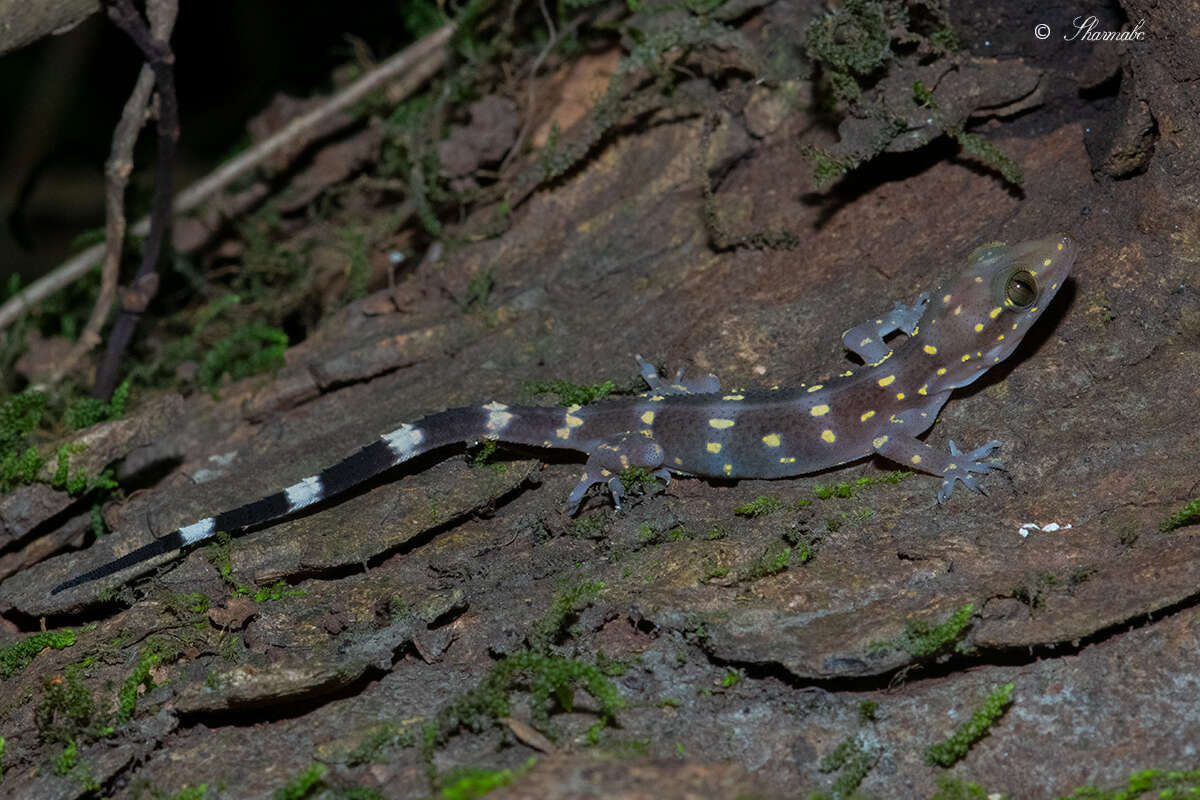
703	385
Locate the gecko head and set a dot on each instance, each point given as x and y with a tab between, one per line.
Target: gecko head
985	313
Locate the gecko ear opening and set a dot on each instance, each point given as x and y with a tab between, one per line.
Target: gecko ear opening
1021	289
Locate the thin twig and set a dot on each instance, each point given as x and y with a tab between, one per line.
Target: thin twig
421	60
139	293
116	172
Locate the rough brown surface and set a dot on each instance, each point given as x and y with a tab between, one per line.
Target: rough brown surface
737	680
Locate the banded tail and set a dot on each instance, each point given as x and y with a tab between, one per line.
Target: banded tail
516	424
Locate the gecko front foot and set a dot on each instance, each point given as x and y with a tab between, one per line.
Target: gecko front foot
608	459
963	464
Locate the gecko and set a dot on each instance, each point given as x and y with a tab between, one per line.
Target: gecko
692	427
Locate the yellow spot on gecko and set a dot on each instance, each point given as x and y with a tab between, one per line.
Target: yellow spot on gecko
957	310
728	469
648	418
865	342
678	461
978	327
816	388
946	300
930	349
899	395
820	411
1046	263
1060	246
887	381
713	447
916	459
978	279
788	460
924	389
656	398
563	433
771	440
624	462
720	424
941	371
573	421
1015	325
867	415
995	312
966	357
879	442
846	374
1000	338
605	473
734	397
828	436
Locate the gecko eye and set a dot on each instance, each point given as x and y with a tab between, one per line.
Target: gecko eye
1021	289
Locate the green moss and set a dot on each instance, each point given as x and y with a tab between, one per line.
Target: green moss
954	749
546	677
20	463
591	527
952	787
186	606
468	783
305	784
1	759
380	739
20	415
731	679
483	454
923	96
67	710
828	169
846	489
976	146
1188	515
758	507
15	657
67	760
1168	785
277	591
358	264
567	604
922	639
570	394
127	696
637	479
248	350
850	43
219	556
767	565
191	793
81	482
88	411
853	761
867	710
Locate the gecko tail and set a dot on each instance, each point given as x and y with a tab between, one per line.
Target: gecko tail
165	544
456	425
